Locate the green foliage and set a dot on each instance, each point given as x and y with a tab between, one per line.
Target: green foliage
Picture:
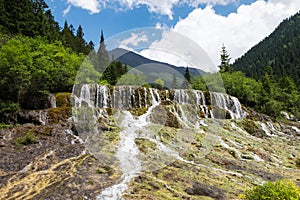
266	95
31	68
246	89
159	83
198	83
280	189
225	59
4	126
114	72
33	18
132	79
27	139
187	79
280	51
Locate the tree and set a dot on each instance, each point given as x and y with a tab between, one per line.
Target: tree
187	79
225	59
174	84
159	83
102	55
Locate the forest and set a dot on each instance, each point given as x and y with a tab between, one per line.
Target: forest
38	57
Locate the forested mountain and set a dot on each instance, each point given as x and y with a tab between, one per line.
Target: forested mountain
33	18
280	50
135	60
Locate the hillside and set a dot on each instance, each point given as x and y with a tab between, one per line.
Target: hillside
280	50
139	143
135	60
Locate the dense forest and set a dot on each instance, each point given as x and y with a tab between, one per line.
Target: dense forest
280	51
38	57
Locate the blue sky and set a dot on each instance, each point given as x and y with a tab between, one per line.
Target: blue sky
113	21
239	24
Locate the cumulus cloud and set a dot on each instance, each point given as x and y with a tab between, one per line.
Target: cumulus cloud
176	49
154	6
135	39
93	6
238	31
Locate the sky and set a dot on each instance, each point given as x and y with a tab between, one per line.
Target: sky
238	24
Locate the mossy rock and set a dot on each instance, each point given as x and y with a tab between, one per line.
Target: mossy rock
145	145
59	114
104	170
63	99
220	113
138	111
252	128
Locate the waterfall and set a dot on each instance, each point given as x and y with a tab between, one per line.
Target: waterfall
128	152
52	100
188	107
228	103
130	97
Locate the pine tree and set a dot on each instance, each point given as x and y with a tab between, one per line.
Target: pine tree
174	84
102	55
187	79
225	59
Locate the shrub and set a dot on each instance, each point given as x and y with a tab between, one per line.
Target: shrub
29	138
280	189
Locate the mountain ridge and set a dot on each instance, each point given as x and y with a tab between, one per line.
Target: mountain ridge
280	50
135	60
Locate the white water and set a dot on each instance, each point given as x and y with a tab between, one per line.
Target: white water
126	97
128	152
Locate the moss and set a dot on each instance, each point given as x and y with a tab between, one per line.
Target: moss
5	126
63	99
252	128
28	138
145	145
138	111
111	111
104	170
59	114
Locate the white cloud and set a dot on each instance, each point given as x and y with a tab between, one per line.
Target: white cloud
67	10
93	6
163	7
135	39
238	31
176	49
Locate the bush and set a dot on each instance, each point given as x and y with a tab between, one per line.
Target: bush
280	189
27	139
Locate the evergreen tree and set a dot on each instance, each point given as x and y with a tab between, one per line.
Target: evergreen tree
174	84
225	59
187	79
103	58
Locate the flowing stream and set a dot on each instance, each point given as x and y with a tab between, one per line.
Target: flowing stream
127	152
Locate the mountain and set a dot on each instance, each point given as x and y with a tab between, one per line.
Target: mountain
135	60
280	50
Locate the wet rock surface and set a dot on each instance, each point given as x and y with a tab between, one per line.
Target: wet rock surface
206	190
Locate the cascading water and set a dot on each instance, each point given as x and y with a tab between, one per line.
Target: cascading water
188	106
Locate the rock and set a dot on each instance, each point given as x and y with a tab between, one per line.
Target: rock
206	190
37	117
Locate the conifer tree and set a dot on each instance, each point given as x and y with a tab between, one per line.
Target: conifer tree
174	84
102	55
187	79
225	59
